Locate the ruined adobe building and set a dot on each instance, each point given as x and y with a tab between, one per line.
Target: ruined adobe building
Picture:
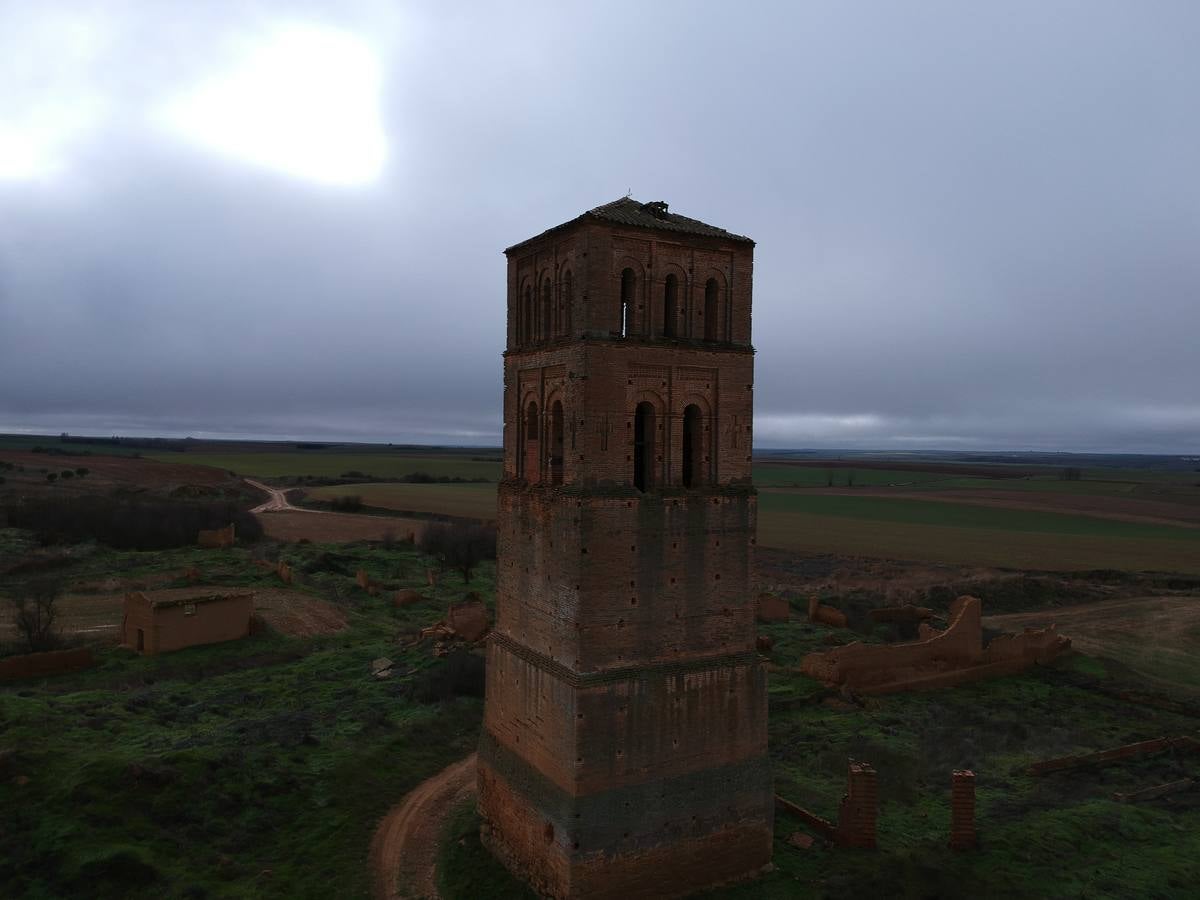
172	620
624	749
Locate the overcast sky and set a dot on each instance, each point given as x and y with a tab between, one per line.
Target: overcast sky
978	224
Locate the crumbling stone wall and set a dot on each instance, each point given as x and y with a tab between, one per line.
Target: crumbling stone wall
939	659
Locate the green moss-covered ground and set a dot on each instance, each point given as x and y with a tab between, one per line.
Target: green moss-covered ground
260	768
1060	835
254	768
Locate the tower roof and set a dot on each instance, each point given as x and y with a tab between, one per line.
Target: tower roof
655	215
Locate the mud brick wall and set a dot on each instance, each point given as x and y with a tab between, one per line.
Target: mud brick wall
940	659
174	625
1033	645
52	662
862	664
596	582
962	809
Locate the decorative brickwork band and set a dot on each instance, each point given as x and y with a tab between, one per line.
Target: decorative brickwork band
962	810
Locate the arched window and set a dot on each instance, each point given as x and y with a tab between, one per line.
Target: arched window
628	283
670	312
568	297
527	319
556	443
693	447
547	309
643	446
530	450
710	309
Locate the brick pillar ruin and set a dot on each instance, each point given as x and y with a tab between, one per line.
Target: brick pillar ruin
624	749
962	810
860	808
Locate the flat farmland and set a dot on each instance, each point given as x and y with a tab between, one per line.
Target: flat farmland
474	501
334	465
978	536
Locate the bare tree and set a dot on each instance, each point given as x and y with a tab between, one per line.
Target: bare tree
35	610
459	545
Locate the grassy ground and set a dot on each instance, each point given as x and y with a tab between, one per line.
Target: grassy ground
954	515
1055	836
253	768
334	465
809	533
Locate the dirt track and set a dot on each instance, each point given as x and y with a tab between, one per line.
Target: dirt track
1158	637
404	849
278	501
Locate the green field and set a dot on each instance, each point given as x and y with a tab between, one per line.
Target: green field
256	768
333	465
897	510
778	474
261	767
475	501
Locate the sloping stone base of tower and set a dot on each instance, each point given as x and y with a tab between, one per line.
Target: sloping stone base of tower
606	828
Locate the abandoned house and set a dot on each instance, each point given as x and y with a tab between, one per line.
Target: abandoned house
624	749
172	620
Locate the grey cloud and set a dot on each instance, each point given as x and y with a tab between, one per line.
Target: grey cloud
976	225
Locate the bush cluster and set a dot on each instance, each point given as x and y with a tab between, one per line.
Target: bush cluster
459	545
127	523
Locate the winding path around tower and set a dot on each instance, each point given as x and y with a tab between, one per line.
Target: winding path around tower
404	849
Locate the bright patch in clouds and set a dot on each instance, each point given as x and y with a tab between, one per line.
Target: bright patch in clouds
305	102
50	95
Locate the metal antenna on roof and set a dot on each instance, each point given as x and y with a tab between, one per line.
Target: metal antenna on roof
629	193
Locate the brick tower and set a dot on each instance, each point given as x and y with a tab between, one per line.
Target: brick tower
624	749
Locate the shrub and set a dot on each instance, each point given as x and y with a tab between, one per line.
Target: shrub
459	545
461	674
129	523
34	611
68	473
346	504
82	472
52	477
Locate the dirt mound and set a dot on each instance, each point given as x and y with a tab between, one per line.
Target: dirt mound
298	614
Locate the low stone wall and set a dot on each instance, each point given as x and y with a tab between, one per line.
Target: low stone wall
1182	743
39	665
